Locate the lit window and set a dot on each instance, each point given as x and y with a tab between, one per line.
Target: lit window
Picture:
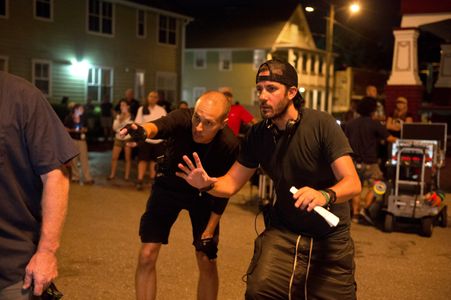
100	84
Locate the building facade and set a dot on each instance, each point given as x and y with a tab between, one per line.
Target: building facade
92	49
226	51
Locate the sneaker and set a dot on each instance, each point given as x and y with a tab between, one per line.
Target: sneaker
366	215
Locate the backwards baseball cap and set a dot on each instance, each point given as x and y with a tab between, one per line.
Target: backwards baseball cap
282	72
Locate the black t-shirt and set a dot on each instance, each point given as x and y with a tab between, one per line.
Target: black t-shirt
299	159
364	135
33	142
69	123
217	156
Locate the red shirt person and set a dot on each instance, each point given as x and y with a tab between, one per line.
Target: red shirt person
237	115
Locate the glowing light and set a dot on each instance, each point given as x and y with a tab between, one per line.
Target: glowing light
301	89
309	9
354	8
79	69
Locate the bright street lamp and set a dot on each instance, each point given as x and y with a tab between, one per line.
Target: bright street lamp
354	8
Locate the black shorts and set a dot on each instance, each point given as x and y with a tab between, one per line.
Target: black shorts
162	210
148	151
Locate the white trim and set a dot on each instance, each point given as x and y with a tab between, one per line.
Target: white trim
137	24
6	15
113	18
138	88
6	60
50	19
35	61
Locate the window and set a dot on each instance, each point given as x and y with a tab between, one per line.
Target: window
259	58
42	71
167	86
198	91
139	84
4	63
4	8
167	30
225	61
100	17
100	84
200	59
43	9
141	23
304	63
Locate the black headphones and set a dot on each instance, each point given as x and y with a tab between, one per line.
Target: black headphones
290	127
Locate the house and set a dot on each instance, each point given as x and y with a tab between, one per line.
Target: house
225	48
92	49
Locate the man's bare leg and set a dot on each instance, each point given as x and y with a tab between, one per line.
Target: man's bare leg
146	274
207	287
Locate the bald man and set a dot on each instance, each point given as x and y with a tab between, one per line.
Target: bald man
203	131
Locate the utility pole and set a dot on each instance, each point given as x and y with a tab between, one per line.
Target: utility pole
329	52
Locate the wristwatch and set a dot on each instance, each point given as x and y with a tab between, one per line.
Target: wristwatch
206	189
332	196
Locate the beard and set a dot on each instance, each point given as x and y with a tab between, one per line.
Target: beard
277	112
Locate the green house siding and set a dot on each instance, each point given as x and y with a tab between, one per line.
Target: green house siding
241	79
23	38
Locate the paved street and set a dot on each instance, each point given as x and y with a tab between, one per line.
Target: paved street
100	245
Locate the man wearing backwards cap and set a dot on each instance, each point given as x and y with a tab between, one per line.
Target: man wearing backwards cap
298	255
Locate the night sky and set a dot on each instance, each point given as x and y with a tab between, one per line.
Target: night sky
364	40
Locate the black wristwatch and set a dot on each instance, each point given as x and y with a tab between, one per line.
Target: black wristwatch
206	189
332	196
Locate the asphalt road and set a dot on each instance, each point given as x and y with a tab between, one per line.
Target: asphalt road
100	244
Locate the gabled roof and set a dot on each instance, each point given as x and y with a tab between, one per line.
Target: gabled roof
254	27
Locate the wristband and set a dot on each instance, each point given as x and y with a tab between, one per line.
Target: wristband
332	196
206	189
326	196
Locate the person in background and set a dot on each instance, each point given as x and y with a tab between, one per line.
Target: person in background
204	131
150	149
379	115
34	188
298	256
365	134
120	143
132	103
400	116
183	105
238	115
106	118
75	124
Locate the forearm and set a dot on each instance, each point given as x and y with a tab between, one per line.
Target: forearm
347	188
232	182
54	207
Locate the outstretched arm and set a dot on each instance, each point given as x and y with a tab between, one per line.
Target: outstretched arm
224	186
42	268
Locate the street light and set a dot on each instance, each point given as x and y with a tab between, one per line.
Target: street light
354	8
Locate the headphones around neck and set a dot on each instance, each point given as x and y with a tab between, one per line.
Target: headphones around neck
290	126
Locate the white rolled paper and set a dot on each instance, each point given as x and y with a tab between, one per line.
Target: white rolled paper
330	218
